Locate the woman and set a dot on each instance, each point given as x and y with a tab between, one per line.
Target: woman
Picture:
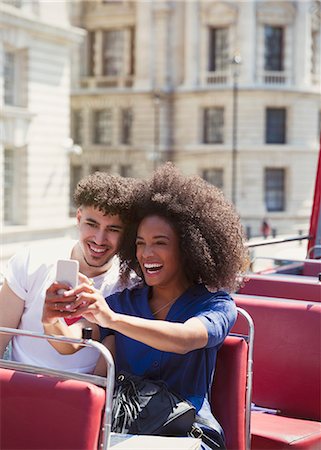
187	244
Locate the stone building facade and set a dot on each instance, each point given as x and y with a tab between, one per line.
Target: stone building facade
36	42
227	90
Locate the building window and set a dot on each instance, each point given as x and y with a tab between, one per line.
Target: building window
218	49
102	125
9	78
75	177
275	127
274	189
113	52
214	176
315	54
125	170
78	126
274	43
126	126
13	182
213	126
101	168
8	190
91	40
15	78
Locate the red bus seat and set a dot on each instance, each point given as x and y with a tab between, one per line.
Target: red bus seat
43	412
288	433
283	286
229	391
286	372
311	268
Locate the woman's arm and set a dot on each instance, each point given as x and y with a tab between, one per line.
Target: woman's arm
162	335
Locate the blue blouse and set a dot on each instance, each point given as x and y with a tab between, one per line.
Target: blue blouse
191	374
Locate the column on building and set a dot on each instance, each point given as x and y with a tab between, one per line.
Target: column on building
143	54
192	44
303	44
161	17
246	41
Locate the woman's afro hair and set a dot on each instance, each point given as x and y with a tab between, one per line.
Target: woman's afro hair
211	237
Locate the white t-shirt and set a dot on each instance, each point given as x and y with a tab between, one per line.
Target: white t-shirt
29	274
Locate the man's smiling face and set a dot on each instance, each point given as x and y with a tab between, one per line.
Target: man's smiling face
99	236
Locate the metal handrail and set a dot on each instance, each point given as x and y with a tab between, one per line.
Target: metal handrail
108	382
249	381
279	240
312	249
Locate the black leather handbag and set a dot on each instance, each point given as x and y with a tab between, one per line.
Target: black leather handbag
143	406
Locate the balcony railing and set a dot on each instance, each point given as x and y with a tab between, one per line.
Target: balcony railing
275	77
217	77
107	81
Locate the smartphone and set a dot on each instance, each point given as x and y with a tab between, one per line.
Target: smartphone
67	272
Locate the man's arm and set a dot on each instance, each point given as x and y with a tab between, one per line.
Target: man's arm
11	309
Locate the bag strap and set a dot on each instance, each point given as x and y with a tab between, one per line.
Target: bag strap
198	433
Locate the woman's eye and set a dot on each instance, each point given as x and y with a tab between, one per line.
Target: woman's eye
138	243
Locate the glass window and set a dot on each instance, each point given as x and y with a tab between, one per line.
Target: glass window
213	126
8	200
218	49
275	127
126	126
315	52
274	189
102	125
214	176
113	52
125	170
273	55
75	176
101	168
78	126
91	38
9	78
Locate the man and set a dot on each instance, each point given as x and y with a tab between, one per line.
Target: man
103	203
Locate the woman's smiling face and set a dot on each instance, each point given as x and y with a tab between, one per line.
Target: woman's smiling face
158	253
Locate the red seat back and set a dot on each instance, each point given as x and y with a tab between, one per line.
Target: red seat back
287	349
229	390
43	412
283	286
311	268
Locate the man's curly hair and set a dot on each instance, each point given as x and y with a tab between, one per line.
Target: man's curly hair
211	237
111	194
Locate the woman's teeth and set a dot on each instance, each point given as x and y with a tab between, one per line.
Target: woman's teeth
151	268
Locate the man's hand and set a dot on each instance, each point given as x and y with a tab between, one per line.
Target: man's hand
56	304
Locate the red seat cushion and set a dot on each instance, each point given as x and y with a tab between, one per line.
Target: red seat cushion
279	433
228	391
42	412
283	286
311	268
287	349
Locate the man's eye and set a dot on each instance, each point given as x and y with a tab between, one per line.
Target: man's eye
115	230
92	225
139	243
